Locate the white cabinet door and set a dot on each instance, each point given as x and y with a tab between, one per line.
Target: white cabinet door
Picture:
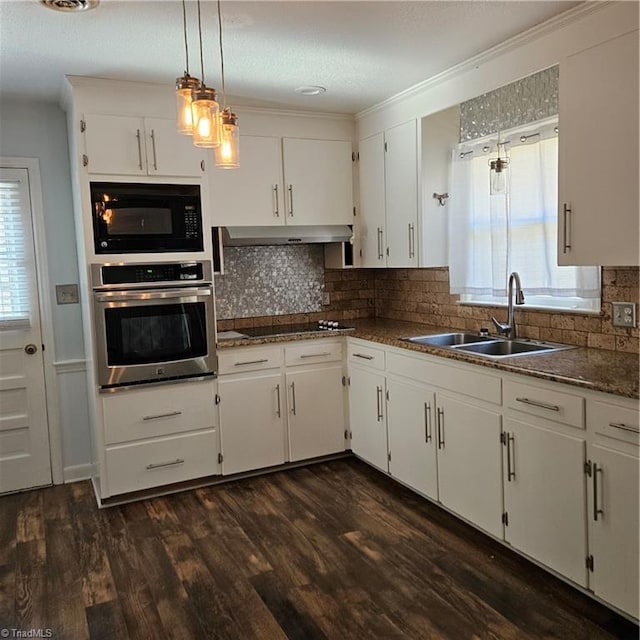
115	145
367	411
598	155
401	198
372	207
614	535
170	153
411	414
318	179
315	403
252	432
252	194
544	496
470	462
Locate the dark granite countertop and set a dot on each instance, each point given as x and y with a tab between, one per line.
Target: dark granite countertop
596	369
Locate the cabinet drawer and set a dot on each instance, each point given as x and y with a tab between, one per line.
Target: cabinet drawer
614	421
366	355
468	380
148	413
321	351
249	359
151	464
551	404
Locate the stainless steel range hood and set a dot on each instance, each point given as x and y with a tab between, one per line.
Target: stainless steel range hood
248	236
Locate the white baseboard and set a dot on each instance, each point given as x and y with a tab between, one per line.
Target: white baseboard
77	472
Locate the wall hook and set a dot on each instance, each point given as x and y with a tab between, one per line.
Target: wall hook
441	198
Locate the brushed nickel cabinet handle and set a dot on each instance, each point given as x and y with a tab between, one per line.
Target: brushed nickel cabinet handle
566	245
316	355
596	510
240	364
511	457
276	207
278	407
293	398
440	426
163	415
380	248
427	425
159	465
364	356
153	147
379	402
291	200
139	149
537	403
412	241
624	427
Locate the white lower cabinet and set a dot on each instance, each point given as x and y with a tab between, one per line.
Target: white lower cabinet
315	401
469	462
613	497
544	496
252	427
411	411
158	435
286	405
368	422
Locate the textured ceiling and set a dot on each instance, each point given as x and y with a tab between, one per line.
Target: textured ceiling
362	52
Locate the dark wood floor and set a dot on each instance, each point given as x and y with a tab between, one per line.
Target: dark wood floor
335	550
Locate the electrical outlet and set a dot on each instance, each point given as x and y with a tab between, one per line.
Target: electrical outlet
326	299
67	293
624	314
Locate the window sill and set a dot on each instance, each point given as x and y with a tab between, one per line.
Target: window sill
526	307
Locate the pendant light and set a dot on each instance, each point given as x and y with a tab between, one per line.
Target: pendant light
205	109
228	153
185	86
497	172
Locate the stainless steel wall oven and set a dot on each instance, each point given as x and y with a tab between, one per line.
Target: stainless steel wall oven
154	322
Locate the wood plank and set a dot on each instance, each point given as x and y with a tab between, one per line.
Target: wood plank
331	551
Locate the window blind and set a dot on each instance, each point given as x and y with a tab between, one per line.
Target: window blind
15	287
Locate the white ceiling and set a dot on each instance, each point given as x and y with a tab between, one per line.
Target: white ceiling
363	52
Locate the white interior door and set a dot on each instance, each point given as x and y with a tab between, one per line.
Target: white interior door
24	433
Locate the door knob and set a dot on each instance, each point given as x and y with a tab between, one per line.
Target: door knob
30	349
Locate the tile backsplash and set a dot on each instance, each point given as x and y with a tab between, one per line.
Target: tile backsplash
277	285
270	281
422	295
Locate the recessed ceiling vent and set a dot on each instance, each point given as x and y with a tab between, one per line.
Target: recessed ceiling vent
70	5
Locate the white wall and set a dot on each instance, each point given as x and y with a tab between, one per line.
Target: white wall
39	130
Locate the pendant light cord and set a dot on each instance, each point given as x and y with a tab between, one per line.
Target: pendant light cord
186	43
200	36
224	93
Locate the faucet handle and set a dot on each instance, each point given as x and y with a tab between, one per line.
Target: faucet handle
503	328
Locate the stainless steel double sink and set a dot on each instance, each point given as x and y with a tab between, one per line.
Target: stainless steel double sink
487	346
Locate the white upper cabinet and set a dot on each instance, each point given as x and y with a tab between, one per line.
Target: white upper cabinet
388	225
401	194
598	155
372	206
291	181
318	177
130	145
253	193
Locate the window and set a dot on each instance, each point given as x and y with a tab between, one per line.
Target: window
15	253
493	235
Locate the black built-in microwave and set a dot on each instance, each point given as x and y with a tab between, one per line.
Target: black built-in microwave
146	218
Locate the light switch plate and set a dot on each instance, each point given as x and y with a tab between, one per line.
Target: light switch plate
67	293
624	314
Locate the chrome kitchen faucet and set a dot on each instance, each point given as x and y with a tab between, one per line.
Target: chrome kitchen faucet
508	329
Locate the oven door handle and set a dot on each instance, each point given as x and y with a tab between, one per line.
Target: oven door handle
151	294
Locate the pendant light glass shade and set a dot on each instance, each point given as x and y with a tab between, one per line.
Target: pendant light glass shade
498	176
228	153
205	113
185	86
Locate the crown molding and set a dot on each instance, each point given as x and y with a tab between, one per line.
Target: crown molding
534	33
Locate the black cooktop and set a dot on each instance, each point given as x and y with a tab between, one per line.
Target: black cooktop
290	329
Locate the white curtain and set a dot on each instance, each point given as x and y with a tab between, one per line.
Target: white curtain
492	235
